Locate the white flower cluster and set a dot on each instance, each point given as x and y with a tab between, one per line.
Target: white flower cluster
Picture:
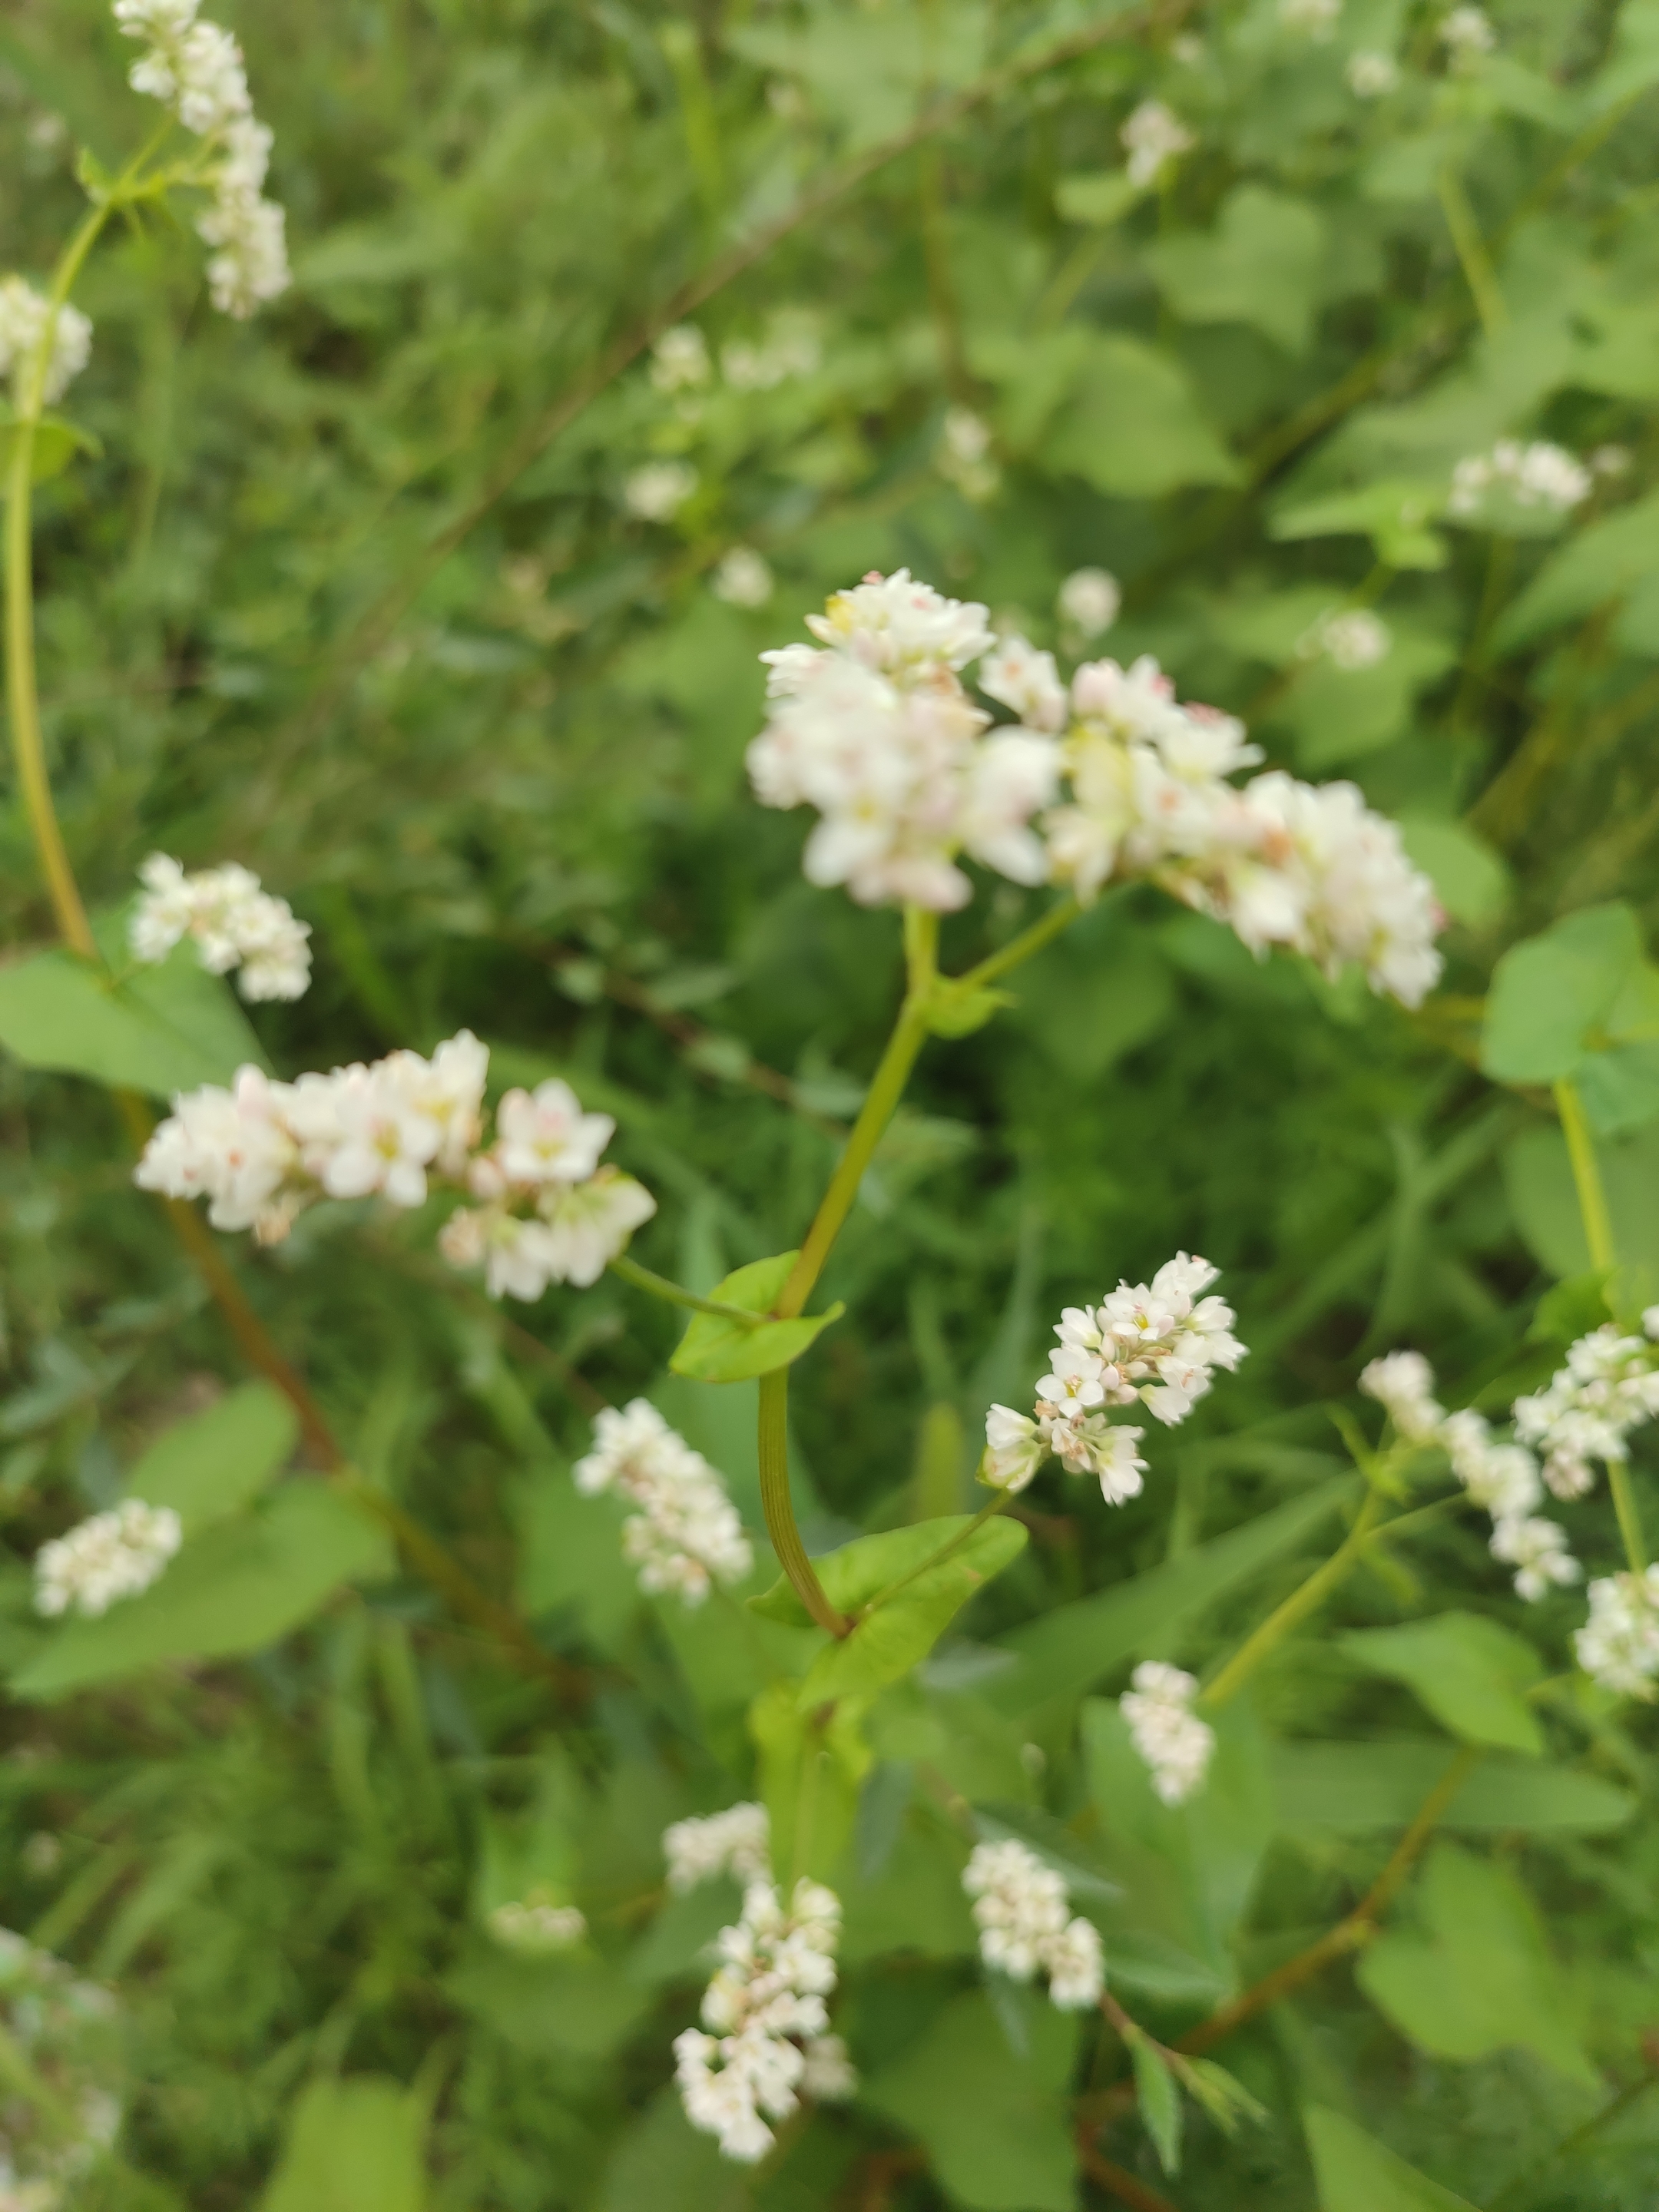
1317	18
1282	862
111	1556
1466	34
1351	639
743	578
1025	1924
1153	136
1609	1386
64	2032
878	733
1088	600
261	1152
1168	1733
195	68
533	1928
1535	475
1373	76
24	315
1154	1344
686	1533
657	490
1501	1477
1619	1644
681	361
765	2039
235	924
738	1842
963	457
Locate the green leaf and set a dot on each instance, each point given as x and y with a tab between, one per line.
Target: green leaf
211	1466
662	2162
1359	1789
162	1029
1223	2096
1395	514
57	440
1603	562
1620	1088
1340	713
995	2126
1470	880
1096	196
715	1350
1261	264
1075	1645
351	2146
810	1769
1548	992
1543	1197
902	1631
1356	2173
1158	2098
1133	427
1467	1671
960	1013
1479	1977
856	1572
237	1586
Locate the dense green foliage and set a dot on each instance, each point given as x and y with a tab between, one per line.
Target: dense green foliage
352	594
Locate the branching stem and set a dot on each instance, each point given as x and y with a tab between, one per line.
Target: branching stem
1295	1609
659	1286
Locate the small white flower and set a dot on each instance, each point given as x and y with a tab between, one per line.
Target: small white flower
1317	18
24	316
1528	477
545	1137
1076	1967
743	579
1537	1549
657	491
1167	1733
1015	674
1402	1383
235	926
1088	600
679	360
535	1929
1020	1908
1153	136
1350	638
1608	1387
687	1533
735	1842
964	455
1015	1448
1468	34
113	1555
1373	76
1619	1645
232	1147
790	349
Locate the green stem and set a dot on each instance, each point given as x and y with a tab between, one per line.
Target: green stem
1295	1609
659	1286
1629	1520
937	1559
1587	1177
779	1507
1472	253
1059	917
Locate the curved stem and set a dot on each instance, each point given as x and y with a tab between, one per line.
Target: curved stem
1630	1519
1060	916
1295	1609
938	1558
779	1507
659	1286
1586	1177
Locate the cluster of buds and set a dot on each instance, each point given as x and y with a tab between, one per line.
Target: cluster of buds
1609	1386
1537	476
25	317
1152	1344
1025	1923
535	1926
113	1555
59	2108
738	1842
233	924
1167	1733
1619	1644
686	1535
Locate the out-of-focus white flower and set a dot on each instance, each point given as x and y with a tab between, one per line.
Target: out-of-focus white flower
790	347
1501	1478
235	924
1350	638
535	1928
1619	1644
1537	1550
1088	600
1466	34
680	359
65	2032
196	69
657	491
743	578
963	458
1015	675
1373	76
24	316
111	1556
544	1136
1167	1733
686	1533
1402	1383
738	1842
234	1148
1609	1386
765	2037
1533	476
1153	136
1021	1908
1317	18
1611	460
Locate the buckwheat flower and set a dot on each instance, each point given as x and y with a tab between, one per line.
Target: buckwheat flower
743	579
1020	1907
1088	600
1619	1644
1373	76
1537	1549
1468	34
1087	1442
545	1137
657	491
687	1535
1017	676
235	924
1316	17
963	457
1402	1383
829	2077
113	1555
535	1929
1015	1448
1501	1478
1608	1387
1350	639
25	314
765	2021
1530	477
1153	136
902	627
790	347
585	1225
680	359
1155	1342
234	1148
63	2035
738	1842
1167	1733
